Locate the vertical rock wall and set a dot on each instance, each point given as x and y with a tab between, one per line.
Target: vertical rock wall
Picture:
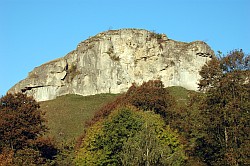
111	61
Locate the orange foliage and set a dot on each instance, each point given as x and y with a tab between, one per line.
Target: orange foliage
6	157
150	95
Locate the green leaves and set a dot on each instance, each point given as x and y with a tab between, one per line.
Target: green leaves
130	137
154	144
104	140
150	95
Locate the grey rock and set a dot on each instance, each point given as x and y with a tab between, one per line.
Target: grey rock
111	61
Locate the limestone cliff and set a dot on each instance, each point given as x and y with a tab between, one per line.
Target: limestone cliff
111	61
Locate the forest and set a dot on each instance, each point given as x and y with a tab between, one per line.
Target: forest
147	125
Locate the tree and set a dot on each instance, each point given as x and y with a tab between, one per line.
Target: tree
188	123
236	60
210	74
21	130
21	121
155	144
108	142
151	95
217	67
103	141
225	111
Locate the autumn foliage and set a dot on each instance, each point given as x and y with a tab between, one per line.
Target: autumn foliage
150	95
225	110
145	125
21	121
21	129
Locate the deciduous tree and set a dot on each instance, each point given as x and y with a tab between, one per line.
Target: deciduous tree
21	121
155	144
21	129
111	141
151	95
225	112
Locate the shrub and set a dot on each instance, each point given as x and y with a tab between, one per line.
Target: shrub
72	72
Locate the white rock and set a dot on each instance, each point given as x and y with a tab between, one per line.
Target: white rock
111	61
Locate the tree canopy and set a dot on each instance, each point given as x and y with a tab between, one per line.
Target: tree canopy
130	137
145	125
20	120
225	110
21	129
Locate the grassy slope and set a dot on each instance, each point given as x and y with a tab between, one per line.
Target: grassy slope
66	115
180	94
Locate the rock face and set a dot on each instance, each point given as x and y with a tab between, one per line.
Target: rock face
111	61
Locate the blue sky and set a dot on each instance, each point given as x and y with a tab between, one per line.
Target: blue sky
33	32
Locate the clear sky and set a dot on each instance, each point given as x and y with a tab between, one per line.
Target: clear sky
33	32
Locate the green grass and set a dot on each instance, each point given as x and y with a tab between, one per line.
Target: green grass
66	115
180	94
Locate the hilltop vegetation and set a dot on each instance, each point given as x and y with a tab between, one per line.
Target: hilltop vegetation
147	125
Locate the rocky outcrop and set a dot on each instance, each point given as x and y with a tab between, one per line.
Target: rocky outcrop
111	61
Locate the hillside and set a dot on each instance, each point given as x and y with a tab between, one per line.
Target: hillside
208	128
67	114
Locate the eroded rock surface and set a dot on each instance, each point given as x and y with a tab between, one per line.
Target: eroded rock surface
111	61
